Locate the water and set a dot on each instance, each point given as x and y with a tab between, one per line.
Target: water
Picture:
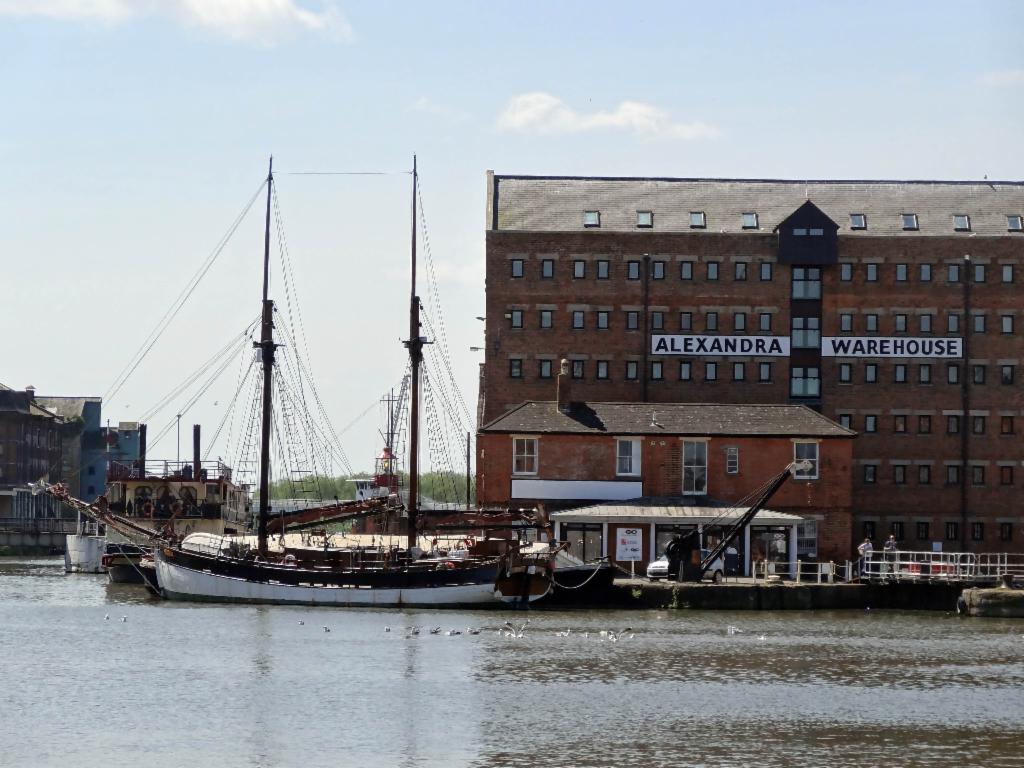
207	685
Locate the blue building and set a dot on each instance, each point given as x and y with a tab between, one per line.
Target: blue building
84	457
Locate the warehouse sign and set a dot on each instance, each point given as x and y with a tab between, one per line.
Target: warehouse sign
858	346
766	346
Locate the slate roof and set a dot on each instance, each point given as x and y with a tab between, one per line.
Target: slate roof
557	203
686	509
66	407
694	419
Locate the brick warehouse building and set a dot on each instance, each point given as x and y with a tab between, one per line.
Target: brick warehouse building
891	307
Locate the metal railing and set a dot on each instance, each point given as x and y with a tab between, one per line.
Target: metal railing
807	571
38	525
178	470
901	565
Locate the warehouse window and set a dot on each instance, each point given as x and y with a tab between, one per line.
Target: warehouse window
846	322
765	321
764	373
925	273
517	267
766	271
923	531
899	474
547	268
739	371
1014	223
657	321
740	271
845	421
979	323
524	456
899	424
952	323
924	373
901	273
632	320
870	373
591	218
645	219
515	368
924	477
685	321
739	321
515	318
658	270
871	423
977	475
579	269
710	371
924	425
805	382
602	369
952	425
602	270
871	323
656	370
978	425
806	332
698	220
712	270
1006	531
806	283
545	318
632	370
952	273
845	373
544	369
711	321
846	272
978	374
961	222
749	220
602	319
900	323
577	319
1006	374
858	221
1006	475
632	270
909	221
952	474
871	273
979	273
1007	271
900	373
578	369
925	323
686	270
685	370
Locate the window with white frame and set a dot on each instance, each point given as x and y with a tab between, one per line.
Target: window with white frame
695	467
732	459
806	451
524	455
627	457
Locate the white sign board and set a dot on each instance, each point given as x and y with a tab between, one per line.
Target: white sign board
885	346
763	346
629	545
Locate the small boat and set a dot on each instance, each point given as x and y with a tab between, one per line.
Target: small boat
121	562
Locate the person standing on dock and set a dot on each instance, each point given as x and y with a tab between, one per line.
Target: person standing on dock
865	549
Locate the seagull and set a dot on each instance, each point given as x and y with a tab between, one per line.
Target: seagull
106	616
471	631
451	632
387	629
563	634
435	631
413	631
301	622
327	629
124	618
762	638
733	630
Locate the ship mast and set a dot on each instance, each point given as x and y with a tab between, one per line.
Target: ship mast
267	347
415	347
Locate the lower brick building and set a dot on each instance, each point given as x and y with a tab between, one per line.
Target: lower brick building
568	454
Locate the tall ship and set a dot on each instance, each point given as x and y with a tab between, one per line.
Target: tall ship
390	571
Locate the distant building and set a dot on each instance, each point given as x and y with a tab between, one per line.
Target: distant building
85	462
30	450
122	445
891	307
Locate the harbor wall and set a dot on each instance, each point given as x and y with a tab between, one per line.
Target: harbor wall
32	543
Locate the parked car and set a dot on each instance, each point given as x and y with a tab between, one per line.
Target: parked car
715	572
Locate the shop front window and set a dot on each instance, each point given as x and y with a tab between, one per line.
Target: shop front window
585	540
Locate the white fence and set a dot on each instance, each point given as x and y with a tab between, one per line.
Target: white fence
988	567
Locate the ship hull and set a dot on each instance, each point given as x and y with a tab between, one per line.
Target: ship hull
183	576
84	554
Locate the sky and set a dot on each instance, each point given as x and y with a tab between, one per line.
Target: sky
136	131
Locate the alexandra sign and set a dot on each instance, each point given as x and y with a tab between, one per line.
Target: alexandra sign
831	346
766	346
874	346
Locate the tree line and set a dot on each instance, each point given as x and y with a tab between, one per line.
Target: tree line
436	486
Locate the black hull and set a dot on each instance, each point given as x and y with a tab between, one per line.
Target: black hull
417	576
582	585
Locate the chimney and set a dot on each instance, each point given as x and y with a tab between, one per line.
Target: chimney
31	392
195	451
142	450
564	388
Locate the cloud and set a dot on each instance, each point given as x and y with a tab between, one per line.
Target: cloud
543	113
259	20
1005	78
